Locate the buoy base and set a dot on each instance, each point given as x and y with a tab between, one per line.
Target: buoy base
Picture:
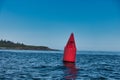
68	62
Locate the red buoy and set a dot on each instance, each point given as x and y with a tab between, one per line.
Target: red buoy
70	50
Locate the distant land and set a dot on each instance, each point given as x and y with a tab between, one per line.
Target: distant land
5	44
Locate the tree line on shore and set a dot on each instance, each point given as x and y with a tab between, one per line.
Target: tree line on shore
5	44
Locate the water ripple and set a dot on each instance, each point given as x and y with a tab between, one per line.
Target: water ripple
49	66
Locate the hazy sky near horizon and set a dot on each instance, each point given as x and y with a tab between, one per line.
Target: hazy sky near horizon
95	23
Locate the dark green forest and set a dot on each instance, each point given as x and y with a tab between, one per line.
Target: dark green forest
5	44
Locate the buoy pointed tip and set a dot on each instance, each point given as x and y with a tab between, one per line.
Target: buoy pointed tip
72	33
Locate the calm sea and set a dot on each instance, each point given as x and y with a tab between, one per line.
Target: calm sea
48	65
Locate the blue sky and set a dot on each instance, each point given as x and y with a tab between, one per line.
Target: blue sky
95	23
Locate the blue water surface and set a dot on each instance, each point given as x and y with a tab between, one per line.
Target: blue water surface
48	65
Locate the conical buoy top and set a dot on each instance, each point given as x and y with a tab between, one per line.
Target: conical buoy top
71	41
70	50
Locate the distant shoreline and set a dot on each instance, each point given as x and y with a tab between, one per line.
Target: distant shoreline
9	45
30	49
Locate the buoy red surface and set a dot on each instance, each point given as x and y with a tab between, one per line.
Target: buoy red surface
70	50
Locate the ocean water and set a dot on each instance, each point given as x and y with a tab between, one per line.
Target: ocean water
48	65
